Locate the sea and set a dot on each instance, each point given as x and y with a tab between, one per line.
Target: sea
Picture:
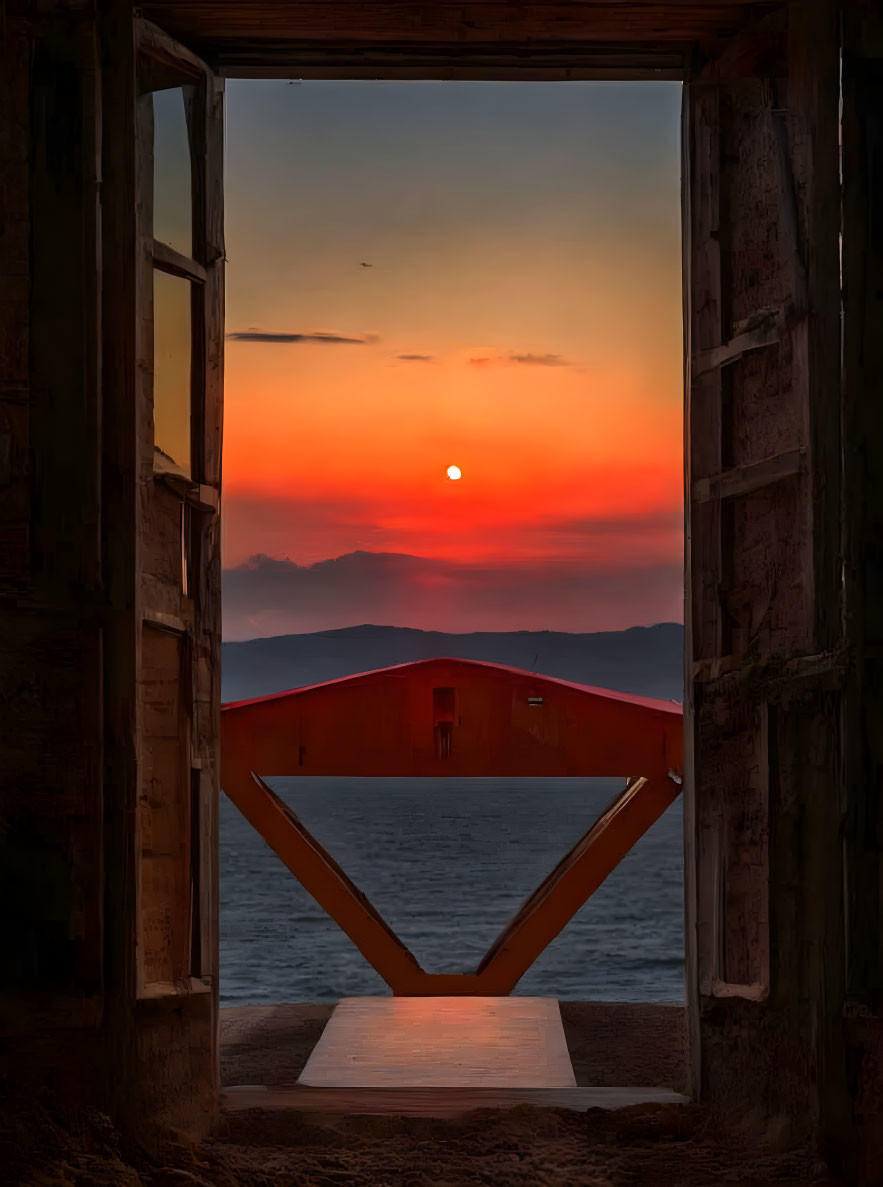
447	863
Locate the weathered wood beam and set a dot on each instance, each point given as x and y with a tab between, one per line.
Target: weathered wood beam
196	494
758	51
526	63
771	678
166	259
763	335
742	480
211	22
756	992
462	39
167	622
691	977
166	57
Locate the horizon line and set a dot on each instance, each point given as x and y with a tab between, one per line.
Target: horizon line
431	631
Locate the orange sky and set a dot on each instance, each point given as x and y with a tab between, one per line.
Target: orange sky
520	318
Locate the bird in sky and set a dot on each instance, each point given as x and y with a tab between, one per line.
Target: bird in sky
364	265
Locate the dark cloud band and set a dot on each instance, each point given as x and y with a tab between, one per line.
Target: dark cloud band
267	596
317	336
529	359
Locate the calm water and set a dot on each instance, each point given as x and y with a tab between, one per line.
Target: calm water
447	863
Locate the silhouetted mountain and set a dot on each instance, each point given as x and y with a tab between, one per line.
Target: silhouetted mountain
271	596
646	661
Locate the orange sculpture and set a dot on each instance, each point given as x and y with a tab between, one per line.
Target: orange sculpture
453	718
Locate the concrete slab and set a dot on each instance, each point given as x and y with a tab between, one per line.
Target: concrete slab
611	1044
436	1102
442	1042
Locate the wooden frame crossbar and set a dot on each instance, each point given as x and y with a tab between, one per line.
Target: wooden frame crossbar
542	917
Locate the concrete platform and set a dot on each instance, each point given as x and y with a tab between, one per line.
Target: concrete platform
436	1102
611	1044
442	1042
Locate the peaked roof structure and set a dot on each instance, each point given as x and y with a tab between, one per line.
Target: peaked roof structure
668	707
450	718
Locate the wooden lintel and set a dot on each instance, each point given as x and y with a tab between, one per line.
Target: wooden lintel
452	63
166	259
742	480
218	27
172	57
765	334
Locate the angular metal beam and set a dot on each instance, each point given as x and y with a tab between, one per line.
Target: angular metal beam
548	910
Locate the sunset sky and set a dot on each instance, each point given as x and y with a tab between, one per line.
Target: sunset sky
520	319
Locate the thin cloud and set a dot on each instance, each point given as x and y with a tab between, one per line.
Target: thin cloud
528	359
316	336
664	520
416	358
540	360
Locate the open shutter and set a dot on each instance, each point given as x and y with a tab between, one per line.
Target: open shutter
180	360
763	545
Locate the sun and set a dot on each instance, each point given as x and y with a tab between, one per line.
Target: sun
454	472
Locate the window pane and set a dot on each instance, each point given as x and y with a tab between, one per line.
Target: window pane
171	367
172	203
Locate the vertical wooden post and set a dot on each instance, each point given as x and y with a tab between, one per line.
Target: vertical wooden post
207	530
701	273
808	758
121	563
862	133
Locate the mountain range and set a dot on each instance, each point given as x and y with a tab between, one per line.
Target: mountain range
646	661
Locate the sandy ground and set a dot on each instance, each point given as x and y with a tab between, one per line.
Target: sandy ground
610	1043
646	1146
643	1146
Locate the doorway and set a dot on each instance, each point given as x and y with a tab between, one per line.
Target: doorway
414	297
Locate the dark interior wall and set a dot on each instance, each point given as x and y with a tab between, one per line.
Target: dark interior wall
50	570
862	792
73	1014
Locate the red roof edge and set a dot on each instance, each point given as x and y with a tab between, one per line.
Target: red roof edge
670	708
